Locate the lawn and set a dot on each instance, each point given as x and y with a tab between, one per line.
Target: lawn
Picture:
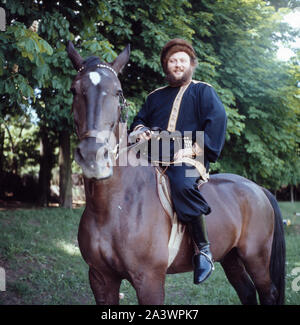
43	265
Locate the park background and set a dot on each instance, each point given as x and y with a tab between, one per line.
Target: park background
238	45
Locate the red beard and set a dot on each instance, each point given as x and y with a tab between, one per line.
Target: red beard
173	82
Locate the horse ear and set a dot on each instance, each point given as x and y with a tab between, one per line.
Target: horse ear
74	56
122	59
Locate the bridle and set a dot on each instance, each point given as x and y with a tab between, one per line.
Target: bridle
123	117
100	65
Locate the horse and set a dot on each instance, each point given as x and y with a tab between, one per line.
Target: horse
124	230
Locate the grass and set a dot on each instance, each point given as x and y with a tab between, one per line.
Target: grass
292	236
40	254
39	251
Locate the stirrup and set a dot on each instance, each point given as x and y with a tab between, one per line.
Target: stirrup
208	258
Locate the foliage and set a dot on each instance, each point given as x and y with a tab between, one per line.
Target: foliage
21	51
235	41
20	148
262	132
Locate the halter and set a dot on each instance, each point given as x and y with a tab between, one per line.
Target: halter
123	106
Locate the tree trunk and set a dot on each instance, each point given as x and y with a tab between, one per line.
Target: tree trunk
65	170
46	163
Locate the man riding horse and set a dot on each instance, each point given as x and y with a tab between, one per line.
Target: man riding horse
186	105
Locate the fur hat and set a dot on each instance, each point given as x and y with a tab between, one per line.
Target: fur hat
176	45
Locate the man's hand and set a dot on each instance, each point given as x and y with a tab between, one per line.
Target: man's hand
142	133
186	152
146	135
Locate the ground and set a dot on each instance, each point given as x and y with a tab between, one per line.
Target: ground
43	264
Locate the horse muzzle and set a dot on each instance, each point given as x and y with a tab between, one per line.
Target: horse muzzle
94	159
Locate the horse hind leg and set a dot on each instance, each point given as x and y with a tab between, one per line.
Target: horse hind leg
239	278
257	263
105	287
258	269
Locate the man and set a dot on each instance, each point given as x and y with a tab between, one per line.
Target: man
186	105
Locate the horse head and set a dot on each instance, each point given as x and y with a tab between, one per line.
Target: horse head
96	107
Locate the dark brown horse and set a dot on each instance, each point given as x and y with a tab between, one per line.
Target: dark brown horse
124	230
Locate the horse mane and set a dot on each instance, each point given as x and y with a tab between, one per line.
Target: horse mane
91	61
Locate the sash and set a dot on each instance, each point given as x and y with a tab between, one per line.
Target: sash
175	108
172	127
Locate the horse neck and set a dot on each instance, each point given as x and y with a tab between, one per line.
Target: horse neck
98	192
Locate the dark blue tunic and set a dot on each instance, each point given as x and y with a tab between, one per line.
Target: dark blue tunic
200	110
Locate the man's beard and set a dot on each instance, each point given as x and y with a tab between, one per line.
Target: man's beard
174	82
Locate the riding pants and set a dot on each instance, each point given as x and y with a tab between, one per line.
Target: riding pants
187	199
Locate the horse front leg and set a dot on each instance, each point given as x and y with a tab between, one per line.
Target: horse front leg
105	287
150	287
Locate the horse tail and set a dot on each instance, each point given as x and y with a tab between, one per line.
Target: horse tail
277	262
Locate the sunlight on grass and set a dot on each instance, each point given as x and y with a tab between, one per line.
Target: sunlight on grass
68	248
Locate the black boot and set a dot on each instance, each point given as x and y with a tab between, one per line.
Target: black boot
202	260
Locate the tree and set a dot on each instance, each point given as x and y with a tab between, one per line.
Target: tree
147	26
50	70
253	86
235	42
21	50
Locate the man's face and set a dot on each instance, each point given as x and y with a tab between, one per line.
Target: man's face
179	68
179	63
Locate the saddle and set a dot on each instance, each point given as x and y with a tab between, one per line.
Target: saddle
178	229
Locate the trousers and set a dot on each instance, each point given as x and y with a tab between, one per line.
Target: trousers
187	200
